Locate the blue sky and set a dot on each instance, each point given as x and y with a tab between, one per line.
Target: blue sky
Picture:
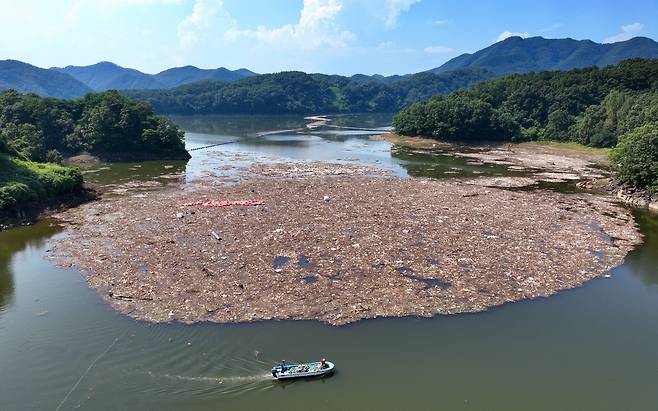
330	36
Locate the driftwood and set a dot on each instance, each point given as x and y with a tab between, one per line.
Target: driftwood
381	246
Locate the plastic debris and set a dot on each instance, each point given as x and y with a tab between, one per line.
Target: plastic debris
224	203
383	255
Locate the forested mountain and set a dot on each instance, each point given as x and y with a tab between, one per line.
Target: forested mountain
613	106
189	74
518	55
109	76
364	78
297	92
27	78
384	93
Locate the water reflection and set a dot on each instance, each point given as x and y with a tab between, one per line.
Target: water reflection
249	125
643	261
238	125
14	241
6	279
370	120
444	165
115	173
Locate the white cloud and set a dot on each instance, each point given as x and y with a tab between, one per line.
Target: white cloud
441	22
206	15
438	49
628	31
386	45
394	8
128	3
507	34
317	27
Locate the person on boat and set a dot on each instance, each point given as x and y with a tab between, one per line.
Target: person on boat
323	364
283	365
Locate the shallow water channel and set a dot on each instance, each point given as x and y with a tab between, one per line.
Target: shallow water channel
590	348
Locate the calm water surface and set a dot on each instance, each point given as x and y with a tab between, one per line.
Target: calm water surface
591	348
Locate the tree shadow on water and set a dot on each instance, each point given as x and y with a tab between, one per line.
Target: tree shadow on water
14	241
643	261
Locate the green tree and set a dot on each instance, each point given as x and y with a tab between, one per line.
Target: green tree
615	105
296	92
163	135
603	138
559	123
25	141
635	159
588	124
3	143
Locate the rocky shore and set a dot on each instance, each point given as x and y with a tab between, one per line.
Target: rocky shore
626	194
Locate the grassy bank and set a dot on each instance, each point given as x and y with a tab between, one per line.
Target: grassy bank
569	146
25	181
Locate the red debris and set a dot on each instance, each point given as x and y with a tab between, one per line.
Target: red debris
225	203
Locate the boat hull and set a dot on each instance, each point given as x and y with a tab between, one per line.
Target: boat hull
294	371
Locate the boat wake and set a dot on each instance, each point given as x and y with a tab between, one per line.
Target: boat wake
218	380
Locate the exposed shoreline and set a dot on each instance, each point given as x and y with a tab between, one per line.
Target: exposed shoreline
550	161
339	247
29	213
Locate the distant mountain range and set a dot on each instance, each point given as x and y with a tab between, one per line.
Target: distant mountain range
27	78
189	74
109	76
519	55
364	78
75	81
106	76
512	55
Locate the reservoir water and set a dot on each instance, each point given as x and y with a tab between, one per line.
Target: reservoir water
590	348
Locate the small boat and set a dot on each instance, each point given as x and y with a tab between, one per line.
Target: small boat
304	370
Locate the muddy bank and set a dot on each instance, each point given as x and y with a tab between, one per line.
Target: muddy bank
632	196
637	198
339	247
550	163
542	165
598	157
30	213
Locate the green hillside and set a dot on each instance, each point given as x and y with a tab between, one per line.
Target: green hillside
297	92
26	78
518	55
613	106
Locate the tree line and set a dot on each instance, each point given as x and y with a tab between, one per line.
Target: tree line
37	132
107	124
301	93
616	106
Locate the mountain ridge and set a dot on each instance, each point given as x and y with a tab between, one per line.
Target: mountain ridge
177	76
27	78
512	55
523	55
106	75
